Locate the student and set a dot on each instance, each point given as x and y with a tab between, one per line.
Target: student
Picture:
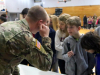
77	61
85	21
91	43
61	34
98	22
3	15
89	22
54	22
3	18
24	12
94	20
52	33
54	26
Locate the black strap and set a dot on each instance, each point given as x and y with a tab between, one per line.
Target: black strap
69	49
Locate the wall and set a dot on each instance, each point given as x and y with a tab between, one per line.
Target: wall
78	10
54	3
18	5
74	7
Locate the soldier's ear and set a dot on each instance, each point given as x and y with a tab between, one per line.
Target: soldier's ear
40	21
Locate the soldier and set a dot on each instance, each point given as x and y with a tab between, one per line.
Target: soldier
17	42
24	13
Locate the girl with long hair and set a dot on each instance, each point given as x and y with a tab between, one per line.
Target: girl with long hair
61	34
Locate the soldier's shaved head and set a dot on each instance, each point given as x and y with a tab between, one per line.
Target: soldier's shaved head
37	13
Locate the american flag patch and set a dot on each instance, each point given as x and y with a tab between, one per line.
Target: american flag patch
38	45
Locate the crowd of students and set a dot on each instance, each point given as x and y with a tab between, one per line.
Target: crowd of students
91	21
68	50
72	53
72	57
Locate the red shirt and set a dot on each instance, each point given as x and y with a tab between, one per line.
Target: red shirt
33	35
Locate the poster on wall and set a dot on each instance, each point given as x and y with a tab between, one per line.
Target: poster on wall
2	6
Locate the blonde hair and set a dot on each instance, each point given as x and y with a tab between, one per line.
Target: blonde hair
63	18
74	20
54	19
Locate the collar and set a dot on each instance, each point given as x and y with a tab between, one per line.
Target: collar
76	39
25	24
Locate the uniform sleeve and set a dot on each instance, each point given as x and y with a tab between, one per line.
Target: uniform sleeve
16	71
58	44
30	49
64	52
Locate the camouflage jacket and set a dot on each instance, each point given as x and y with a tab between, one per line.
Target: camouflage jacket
17	43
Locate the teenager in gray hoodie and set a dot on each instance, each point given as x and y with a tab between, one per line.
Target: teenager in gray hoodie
77	60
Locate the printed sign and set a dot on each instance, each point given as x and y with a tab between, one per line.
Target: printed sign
2	5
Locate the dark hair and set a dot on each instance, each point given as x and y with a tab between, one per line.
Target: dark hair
91	41
3	19
24	11
98	21
3	15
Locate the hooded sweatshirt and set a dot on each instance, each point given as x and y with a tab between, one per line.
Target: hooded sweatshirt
81	58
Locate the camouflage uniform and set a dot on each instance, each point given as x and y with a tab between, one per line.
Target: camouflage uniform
16	71
17	43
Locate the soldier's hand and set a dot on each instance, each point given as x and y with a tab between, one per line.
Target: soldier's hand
44	30
70	53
